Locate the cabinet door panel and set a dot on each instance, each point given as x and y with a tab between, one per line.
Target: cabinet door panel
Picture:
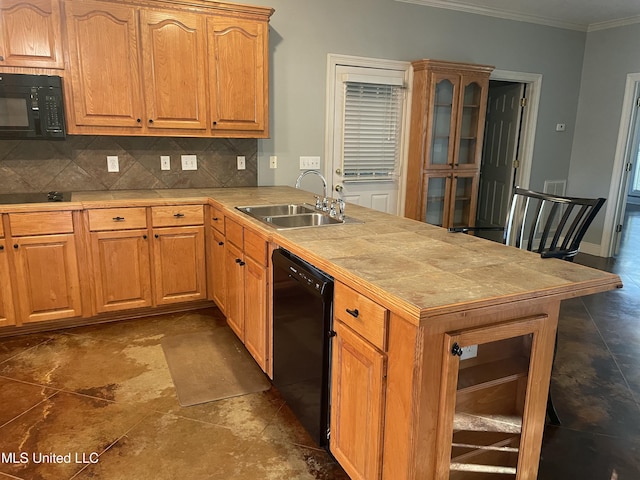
238	74
47	276
7	316
357	396
218	271
122	273
180	271
234	307
174	65
30	34
104	68
255	318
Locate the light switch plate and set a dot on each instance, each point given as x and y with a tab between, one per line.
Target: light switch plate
112	163
273	161
241	162
189	162
309	163
165	162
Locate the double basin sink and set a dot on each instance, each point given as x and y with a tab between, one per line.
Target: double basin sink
299	215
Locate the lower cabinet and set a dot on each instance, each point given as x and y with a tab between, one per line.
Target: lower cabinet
358	382
179	264
46	273
7	315
247	285
218	270
122	275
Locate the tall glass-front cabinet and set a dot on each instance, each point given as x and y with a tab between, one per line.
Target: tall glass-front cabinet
447	128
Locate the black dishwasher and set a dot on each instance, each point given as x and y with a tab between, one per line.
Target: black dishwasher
302	321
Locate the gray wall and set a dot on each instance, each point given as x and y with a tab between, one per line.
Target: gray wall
610	55
303	32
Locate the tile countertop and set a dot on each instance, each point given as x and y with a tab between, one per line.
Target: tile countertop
405	265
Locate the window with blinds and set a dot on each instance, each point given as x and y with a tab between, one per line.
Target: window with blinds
371	131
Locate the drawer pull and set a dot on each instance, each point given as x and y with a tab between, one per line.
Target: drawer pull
118	219
179	215
353	313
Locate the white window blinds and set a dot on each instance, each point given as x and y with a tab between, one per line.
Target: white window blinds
372	128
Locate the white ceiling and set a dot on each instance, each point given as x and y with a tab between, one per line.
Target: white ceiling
584	15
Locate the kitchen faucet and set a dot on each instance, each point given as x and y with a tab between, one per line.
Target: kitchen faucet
324	185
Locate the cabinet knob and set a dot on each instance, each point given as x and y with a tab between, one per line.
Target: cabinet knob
1	58
1	247
156	235
215	219
151	120
220	243
139	120
238	260
15	245
456	350
215	123
144	236
241	263
353	313
331	333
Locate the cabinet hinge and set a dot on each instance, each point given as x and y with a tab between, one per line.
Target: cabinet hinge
516	164
618	228
523	102
628	167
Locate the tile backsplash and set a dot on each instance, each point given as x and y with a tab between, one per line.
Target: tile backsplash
79	163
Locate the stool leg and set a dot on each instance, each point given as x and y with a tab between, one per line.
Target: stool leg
551	409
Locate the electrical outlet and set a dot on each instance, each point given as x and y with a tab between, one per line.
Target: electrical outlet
241	162
469	352
189	162
273	161
112	163
165	162
309	163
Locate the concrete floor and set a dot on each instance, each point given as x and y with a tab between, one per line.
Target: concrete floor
104	395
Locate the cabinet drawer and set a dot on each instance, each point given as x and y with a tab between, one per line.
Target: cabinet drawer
40	223
255	246
177	215
117	219
217	219
361	314
233	232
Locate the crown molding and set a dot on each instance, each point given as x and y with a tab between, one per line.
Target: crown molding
622	22
493	12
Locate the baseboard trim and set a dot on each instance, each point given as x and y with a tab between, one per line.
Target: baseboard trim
592	249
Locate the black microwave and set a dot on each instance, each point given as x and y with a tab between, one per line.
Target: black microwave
31	106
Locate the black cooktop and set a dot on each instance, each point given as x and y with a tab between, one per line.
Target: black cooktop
35	197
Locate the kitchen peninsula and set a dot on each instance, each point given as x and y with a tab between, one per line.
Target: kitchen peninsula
447	367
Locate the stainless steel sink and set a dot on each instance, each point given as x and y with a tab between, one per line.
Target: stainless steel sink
302	220
273	210
293	215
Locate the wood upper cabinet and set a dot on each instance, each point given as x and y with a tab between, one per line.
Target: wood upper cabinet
238	74
105	69
46	266
173	58
158	71
30	34
121	258
447	126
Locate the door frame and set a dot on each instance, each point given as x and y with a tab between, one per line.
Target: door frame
333	60
529	123
615	210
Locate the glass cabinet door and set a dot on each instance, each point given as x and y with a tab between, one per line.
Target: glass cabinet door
463	202
488	381
436	191
442	127
467	153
